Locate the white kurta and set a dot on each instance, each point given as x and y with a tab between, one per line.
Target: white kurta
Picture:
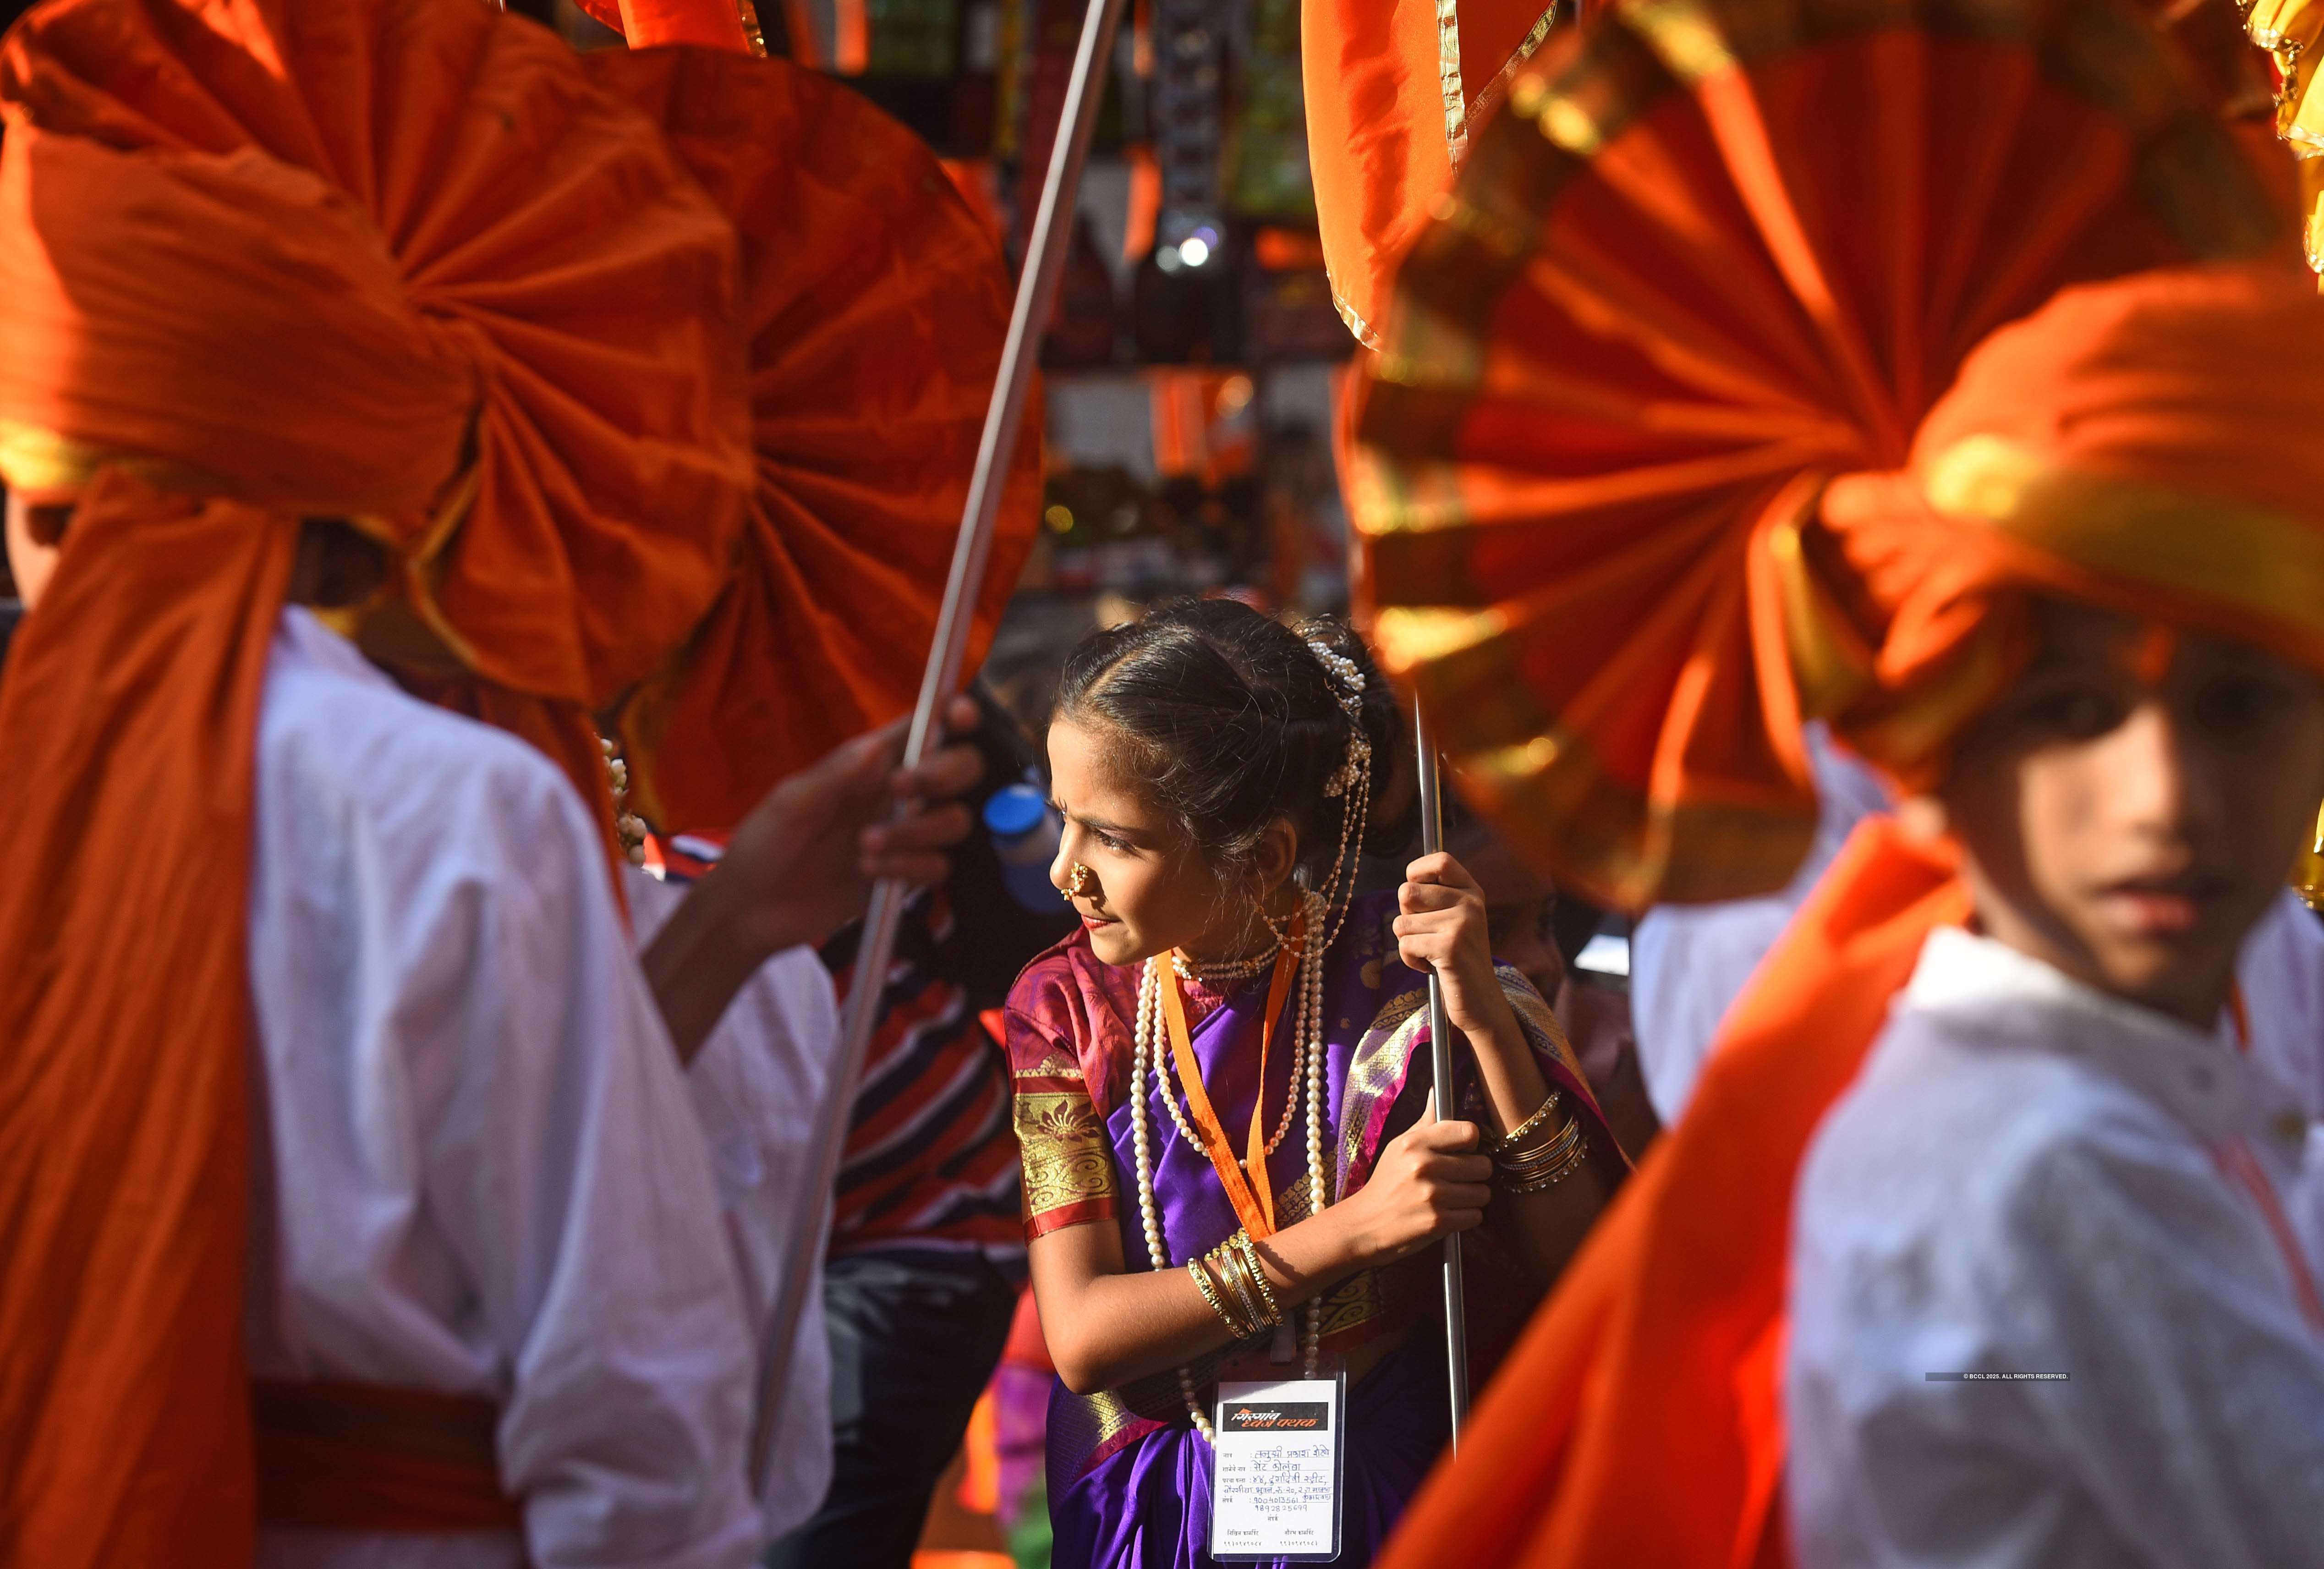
2282	973
2031	1176
479	1167
1690	962
758	1084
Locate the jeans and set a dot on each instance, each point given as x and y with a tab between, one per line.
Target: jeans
915	1337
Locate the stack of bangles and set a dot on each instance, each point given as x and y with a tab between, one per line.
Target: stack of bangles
1230	1280
1538	1153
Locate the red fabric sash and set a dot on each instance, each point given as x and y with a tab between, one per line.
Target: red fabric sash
363	1458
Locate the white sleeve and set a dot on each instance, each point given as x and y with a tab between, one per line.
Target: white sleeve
2196	1407
2281	974
574	1187
2190	1420
757	1086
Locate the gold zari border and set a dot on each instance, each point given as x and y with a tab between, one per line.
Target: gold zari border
1438	624
2244	559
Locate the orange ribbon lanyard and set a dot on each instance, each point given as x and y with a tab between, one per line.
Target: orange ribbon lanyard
1246	1184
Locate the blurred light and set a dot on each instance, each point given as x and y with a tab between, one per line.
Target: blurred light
1166	258
1195	251
1235	394
1059	518
1605	955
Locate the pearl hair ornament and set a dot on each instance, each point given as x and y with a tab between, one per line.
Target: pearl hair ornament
1350	783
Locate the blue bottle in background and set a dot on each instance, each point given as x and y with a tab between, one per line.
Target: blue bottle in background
1025	836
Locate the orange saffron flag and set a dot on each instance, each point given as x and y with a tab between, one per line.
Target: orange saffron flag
731	24
1395	91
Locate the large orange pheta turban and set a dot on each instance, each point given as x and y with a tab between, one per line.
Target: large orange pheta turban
1763	362
392	261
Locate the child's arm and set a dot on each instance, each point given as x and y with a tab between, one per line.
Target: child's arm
1106	1327
1443	926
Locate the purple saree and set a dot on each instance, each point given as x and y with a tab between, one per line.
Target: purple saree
1128	1477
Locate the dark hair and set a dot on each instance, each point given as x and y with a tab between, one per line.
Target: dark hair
1229	721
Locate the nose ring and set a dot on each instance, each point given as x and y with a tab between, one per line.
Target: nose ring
1077	883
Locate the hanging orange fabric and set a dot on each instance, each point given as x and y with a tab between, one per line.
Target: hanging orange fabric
728	25
876	303
1249	1188
1638	1421
379	260
125	1425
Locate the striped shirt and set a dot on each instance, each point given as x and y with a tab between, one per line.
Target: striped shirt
931	1155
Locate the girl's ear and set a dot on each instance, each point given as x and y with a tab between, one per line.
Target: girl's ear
1276	857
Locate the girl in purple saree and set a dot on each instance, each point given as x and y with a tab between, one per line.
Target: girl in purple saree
1232	1032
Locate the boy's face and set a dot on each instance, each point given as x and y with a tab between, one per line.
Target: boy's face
2131	804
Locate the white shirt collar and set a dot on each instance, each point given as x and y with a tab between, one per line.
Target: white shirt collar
2010	1000
302	635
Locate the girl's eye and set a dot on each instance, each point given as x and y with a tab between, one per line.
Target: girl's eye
1108	841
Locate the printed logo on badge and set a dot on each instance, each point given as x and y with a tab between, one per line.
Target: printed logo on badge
1274	1417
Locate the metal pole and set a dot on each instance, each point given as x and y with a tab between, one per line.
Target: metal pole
1440	1041
1037	293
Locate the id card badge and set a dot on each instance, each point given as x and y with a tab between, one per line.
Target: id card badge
1276	1470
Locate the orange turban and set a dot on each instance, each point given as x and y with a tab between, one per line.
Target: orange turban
874	304
1697	419
392	261
1663	310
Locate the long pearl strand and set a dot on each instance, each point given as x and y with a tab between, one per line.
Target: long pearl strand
1307	1055
1299	1036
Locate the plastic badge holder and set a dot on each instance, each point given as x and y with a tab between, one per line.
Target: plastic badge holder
1268	1448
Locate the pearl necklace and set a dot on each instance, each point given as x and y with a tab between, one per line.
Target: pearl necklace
1222	969
1307	1056
1148	998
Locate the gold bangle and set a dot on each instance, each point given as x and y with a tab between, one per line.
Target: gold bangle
1250	1250
1501	1145
1203	1283
1230	1266
1536	1184
1251	1281
1533	1162
1536	1143
1534	1148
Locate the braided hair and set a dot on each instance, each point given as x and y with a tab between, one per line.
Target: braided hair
1226	720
